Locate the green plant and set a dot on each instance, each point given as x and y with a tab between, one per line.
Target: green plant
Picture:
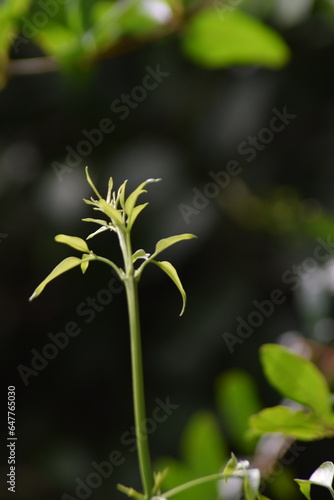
296	378
122	212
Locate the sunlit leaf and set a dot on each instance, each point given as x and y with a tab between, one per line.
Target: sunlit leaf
132	198
113	213
234	40
85	263
170	270
167	242
64	266
323	476
139	254
73	241
98	231
134	214
96	221
92	185
296	378
295	424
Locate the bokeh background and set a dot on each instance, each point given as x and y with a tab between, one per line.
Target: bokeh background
265	221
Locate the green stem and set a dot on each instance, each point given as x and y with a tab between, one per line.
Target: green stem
138	387
131	287
194	482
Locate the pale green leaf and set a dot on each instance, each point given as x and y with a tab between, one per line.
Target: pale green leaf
139	254
64	266
170	270
92	185
97	221
295	424
110	186
171	240
73	241
85	263
230	467
234	40
98	231
323	476
113	213
134	214
296	378
121	194
132	198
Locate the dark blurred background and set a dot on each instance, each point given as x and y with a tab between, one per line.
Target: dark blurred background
75	410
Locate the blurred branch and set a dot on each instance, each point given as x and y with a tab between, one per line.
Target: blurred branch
32	66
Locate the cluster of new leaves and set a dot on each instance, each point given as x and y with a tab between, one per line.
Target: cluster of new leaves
121	213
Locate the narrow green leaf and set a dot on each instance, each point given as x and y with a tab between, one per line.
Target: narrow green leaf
323	476
91	183
296	424
64	266
121	194
110	186
170	270
85	263
236	39
230	467
98	231
138	255
132	198
251	484
134	214
296	378
171	240
97	221
73	241
113	213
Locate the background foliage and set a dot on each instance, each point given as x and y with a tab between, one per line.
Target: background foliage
64	69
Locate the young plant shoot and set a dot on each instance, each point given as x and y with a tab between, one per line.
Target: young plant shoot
121	212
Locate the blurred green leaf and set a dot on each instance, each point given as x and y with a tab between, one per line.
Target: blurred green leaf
178	473
323	476
58	40
235	39
295	424
202	445
296	378
10	13
203	452
237	400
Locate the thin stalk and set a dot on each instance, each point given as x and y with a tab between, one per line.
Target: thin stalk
131	287
138	387
194	482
